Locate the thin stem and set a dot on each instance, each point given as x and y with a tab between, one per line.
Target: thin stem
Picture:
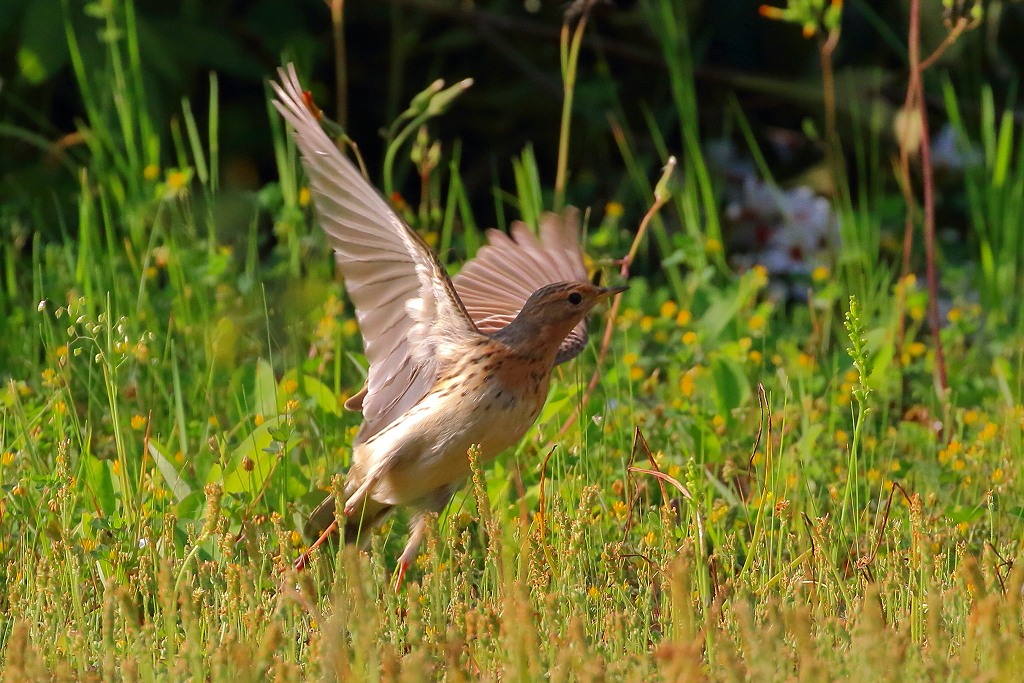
340	60
962	24
392	150
833	146
570	49
928	192
660	200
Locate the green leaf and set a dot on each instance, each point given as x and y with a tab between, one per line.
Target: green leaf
190	508
254	454
556	406
172	476
959	513
313	388
264	390
806	446
731	385
724	310
707	447
99	481
44	48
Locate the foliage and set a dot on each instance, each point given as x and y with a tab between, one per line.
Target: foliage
171	411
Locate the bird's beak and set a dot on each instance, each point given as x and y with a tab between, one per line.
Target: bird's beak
611	291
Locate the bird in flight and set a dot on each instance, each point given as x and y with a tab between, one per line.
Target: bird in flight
453	363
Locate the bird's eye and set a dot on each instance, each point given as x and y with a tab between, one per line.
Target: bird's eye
575	298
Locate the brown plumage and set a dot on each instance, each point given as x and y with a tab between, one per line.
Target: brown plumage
452	364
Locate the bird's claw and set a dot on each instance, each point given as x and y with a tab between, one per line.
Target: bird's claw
400	570
303	560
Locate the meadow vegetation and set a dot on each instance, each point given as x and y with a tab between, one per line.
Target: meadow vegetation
760	486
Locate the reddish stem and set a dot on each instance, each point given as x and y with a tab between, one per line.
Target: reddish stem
915	84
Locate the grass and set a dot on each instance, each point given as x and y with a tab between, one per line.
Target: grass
171	411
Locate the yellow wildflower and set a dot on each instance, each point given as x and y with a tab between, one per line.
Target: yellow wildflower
613	209
718	512
176	180
760	275
988	432
687	383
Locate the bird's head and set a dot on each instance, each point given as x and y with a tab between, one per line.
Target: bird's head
554	310
565	302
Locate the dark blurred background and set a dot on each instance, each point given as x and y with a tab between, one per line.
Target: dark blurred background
510	48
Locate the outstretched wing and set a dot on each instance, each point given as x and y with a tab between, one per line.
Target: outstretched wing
496	283
405	303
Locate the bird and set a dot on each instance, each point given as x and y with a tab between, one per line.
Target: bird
454	363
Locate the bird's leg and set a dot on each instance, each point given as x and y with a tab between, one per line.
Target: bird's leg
356	498
303	560
405	560
434	502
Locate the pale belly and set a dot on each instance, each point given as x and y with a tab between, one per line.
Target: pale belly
426	448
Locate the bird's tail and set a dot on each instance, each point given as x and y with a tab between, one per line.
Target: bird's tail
356	528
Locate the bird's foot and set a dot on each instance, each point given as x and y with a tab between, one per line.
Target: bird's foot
400	570
303	560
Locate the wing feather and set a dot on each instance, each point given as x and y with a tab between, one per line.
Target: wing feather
496	283
406	305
